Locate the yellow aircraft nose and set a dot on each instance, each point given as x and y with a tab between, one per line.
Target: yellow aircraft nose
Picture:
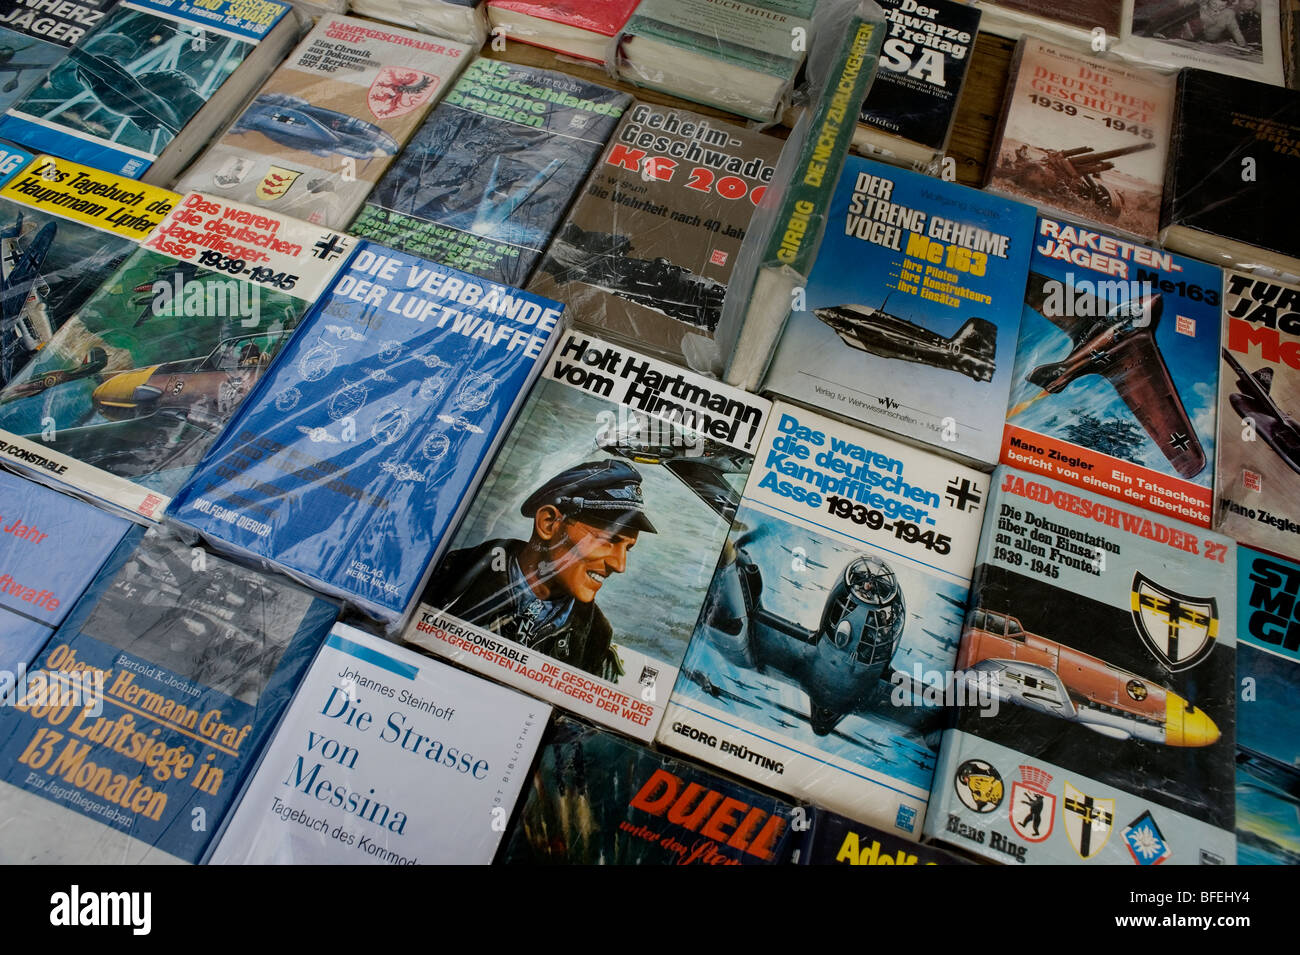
1185	725
119	390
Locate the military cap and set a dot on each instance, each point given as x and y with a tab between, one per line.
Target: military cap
606	493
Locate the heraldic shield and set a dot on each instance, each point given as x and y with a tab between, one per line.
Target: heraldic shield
1088	821
1179	630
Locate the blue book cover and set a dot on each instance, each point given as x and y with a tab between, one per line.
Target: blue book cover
51	547
39	34
486	180
1268	672
144	713
910	316
351	463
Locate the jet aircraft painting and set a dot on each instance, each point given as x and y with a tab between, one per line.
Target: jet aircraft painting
295	123
971	351
1254	402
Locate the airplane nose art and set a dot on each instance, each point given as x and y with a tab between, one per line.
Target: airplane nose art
1185	725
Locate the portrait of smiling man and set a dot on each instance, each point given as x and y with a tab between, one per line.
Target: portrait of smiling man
542	592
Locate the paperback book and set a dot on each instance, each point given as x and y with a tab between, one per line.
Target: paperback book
328	123
145	91
1101	650
817	664
910	316
598	799
351	464
831	839
1084	138
647	253
485	181
386	757
40	34
149	706
1257	467
1115	383
128	395
1268	669
581	566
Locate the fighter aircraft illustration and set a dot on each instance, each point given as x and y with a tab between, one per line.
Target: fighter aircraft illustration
1120	343
7	65
959	604
970	352
25	325
1254	403
1049	677
296	124
151	100
802	557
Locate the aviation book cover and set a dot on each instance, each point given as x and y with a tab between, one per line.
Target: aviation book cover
351	464
645	256
146	710
38	34
596	798
1117	369
1257	466
64	229
484	183
120	97
127	396
329	121
580	567
817	664
1098	669
911	312
386	757
1268	750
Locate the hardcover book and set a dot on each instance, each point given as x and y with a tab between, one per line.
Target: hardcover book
581	566
40	35
581	28
386	757
147	89
1084	138
326	125
51	547
911	312
146	710
351	464
1098	672
818	663
461	20
646	255
597	799
1257	467
1243	40
735	56
1230	193
1114	388
64	229
909	111
1268	670
128	395
486	180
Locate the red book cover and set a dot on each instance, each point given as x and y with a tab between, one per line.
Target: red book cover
605	17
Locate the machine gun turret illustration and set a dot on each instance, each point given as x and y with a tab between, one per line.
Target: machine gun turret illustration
1071	172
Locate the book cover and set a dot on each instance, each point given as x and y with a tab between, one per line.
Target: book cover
1082	14
39	35
1229	191
328	122
598	799
831	839
353	461
462	20
1083	137
1238	39
1115	383
146	710
581	28
64	229
127	396
923	65
1098	672
51	547
582	564
1268	671
386	757
910	315
120	97
484	183
646	255
1257	464
817	664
